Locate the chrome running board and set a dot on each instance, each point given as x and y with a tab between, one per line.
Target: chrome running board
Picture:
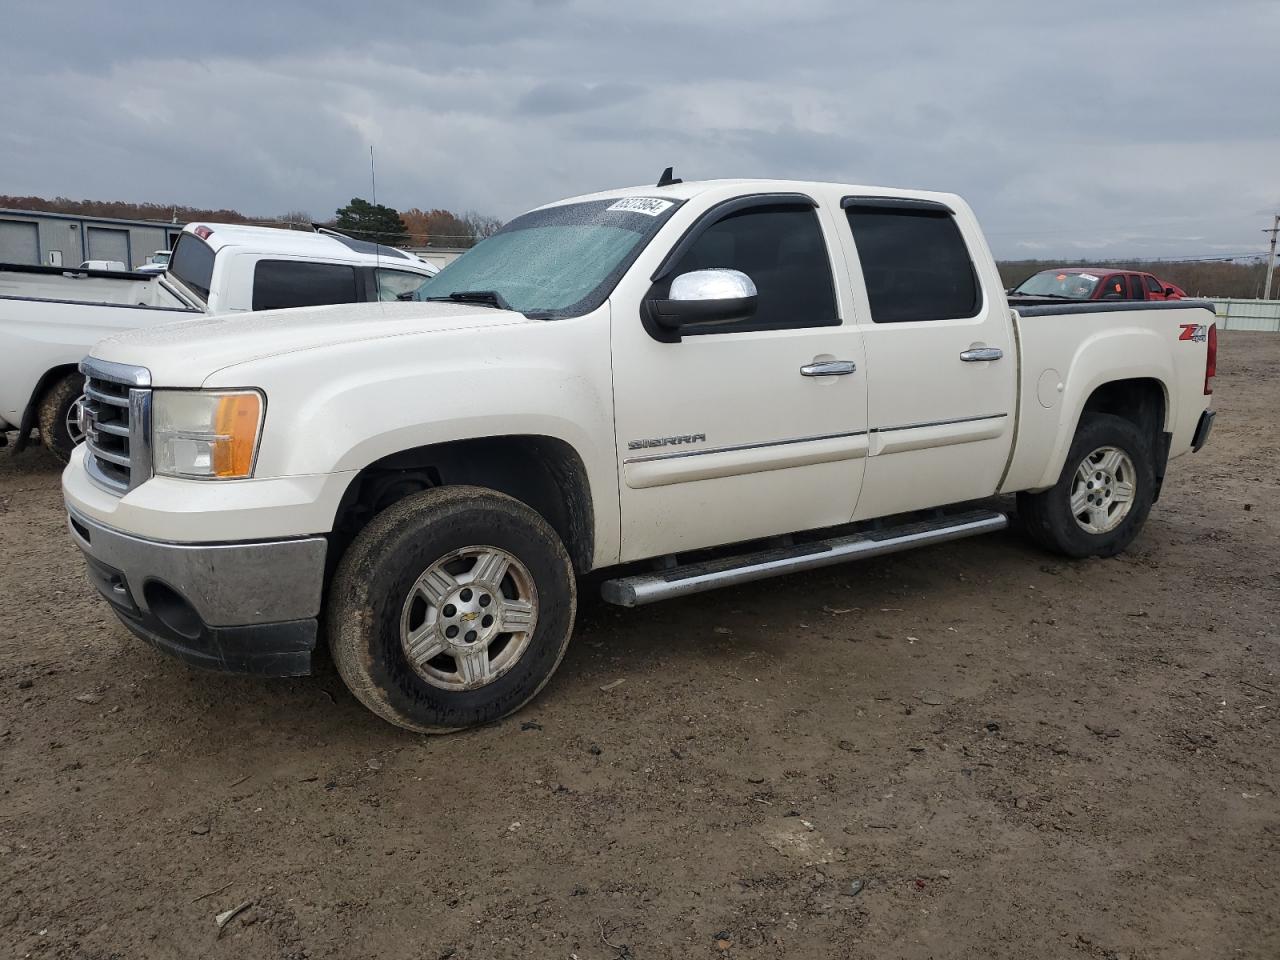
637	590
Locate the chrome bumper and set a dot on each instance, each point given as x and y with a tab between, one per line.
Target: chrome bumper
239	607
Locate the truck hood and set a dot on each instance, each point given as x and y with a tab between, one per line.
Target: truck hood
185	353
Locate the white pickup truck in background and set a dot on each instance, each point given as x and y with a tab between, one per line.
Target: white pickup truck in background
158	262
687	385
51	316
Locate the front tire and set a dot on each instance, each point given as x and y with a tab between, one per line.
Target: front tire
58	416
1103	496
451	609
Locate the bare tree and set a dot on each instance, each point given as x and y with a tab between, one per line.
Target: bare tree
296	219
481	225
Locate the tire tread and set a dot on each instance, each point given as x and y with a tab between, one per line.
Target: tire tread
51	414
1044	517
349	613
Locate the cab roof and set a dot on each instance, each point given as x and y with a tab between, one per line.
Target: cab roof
302	243
689	189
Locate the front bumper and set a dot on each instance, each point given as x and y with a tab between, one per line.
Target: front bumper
236	607
1203	429
205	511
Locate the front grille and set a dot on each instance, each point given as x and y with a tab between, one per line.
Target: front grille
117	424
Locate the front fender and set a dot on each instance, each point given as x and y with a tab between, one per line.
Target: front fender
339	409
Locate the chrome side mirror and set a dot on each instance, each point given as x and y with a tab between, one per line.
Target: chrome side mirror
706	297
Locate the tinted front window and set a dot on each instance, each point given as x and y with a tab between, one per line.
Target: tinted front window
781	249
915	265
392	284
559	262
192	264
1153	284
279	284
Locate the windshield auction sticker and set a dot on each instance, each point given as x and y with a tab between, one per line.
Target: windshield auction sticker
649	206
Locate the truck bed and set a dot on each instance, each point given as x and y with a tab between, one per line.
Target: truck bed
98	287
48	315
1063	362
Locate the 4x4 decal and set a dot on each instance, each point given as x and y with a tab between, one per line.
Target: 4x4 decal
1193	331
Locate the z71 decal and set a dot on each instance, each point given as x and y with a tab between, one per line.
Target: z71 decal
1193	331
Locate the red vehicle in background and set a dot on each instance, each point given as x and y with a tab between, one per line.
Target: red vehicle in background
1096	283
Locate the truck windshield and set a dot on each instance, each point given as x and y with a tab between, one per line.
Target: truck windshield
1067	284
562	261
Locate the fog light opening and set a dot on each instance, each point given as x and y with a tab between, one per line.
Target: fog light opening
81	530
172	609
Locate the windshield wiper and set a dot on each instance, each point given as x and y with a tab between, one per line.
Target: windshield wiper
484	298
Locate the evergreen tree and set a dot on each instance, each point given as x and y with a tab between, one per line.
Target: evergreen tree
375	222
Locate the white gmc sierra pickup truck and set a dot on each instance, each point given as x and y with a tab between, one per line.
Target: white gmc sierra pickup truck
50	317
693	384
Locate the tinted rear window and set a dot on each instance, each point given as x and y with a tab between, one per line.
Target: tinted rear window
279	284
192	264
915	264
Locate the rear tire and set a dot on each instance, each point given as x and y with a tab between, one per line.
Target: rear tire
57	414
1097	507
427	606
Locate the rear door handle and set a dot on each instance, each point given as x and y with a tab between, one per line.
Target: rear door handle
828	368
979	354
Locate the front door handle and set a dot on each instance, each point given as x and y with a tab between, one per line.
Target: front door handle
828	368
978	354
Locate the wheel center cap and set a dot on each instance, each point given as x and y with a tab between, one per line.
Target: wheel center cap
468	615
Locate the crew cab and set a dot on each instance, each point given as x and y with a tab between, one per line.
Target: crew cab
1096	283
677	387
50	317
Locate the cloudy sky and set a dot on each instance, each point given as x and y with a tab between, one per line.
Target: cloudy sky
1150	127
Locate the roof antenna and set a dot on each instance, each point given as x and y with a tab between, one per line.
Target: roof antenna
667	179
373	187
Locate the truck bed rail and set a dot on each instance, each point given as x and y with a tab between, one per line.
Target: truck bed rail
1038	307
74	271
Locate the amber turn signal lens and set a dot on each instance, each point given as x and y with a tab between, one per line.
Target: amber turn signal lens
206	434
236	424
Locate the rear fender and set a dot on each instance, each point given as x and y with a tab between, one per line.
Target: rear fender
32	409
1105	357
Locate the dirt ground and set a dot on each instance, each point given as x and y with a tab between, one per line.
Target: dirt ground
975	750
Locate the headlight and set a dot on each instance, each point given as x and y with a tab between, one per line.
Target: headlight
206	435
